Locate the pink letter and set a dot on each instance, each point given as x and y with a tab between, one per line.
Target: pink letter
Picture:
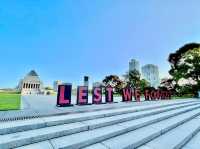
97	95
147	94
62	99
127	94
109	94
137	95
82	95
64	95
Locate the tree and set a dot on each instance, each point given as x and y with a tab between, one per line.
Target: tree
144	84
185	90
132	78
168	84
113	81
151	88
48	88
185	66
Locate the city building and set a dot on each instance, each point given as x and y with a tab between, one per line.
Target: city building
150	73
86	81
134	65
55	85
31	84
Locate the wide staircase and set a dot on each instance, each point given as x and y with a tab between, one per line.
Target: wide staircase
168	125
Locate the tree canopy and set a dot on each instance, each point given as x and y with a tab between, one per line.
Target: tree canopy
113	81
132	78
185	66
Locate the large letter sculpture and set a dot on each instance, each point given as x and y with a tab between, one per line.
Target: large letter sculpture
97	95
82	95
64	95
126	94
109	94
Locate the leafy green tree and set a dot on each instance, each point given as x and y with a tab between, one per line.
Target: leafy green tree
115	82
144	84
150	88
186	90
167	84
185	64
48	88
132	78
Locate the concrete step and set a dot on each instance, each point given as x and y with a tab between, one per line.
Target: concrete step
43	134
129	114
50	121
40	145
138	137
152	114
176	138
38	111
194	143
86	138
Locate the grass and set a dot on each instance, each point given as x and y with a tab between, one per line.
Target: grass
183	96
9	101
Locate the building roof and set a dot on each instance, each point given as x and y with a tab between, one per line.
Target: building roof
150	66
32	73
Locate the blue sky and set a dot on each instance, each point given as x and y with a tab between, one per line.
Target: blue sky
67	39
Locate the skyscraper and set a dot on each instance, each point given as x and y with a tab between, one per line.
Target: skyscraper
86	81
134	65
150	73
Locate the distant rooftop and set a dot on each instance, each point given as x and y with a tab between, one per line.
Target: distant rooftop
150	65
32	73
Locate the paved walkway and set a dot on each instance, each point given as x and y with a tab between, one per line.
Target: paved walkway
40	106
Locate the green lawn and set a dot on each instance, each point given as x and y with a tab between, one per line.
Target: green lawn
9	101
183	97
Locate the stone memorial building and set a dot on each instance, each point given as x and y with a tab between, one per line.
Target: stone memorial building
31	84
